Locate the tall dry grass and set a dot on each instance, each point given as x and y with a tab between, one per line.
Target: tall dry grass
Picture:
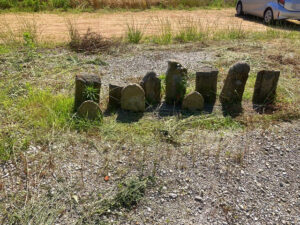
143	4
37	5
14	35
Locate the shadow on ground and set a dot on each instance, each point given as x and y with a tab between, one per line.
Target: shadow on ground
232	110
285	25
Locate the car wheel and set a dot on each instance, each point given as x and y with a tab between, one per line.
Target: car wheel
239	9
268	16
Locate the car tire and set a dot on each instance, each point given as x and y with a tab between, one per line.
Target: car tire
239	9
268	16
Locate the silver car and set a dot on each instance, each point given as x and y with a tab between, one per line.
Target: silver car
270	10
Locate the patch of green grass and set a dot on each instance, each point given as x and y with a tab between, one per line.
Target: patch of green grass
230	34
134	33
35	114
129	193
43	110
210	122
165	35
249	88
273	33
191	30
4	49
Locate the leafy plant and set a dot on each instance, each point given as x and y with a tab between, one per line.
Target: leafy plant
130	193
29	45
91	93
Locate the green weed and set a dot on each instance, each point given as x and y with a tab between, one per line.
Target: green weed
165	33
129	193
134	33
91	93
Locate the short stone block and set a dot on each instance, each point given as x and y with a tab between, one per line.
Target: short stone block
133	98
234	84
206	84
265	87
85	83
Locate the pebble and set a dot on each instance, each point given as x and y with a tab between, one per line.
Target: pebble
173	195
198	199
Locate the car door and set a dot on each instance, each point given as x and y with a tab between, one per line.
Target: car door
246	6
292	5
257	7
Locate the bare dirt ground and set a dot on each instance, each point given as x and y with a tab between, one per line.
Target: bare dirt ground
53	27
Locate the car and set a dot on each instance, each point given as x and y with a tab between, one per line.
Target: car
269	10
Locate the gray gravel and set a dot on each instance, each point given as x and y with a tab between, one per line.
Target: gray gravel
263	189
137	64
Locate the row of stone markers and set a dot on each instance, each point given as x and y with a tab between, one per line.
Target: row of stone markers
135	97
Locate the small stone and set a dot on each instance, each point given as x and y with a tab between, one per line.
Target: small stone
152	87
198	199
173	195
133	98
193	101
89	109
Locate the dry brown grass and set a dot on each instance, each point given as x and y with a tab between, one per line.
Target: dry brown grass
143	4
90	42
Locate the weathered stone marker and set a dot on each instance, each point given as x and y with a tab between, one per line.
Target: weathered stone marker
152	87
87	86
206	84
175	83
235	82
265	87
115	92
133	98
193	101
90	110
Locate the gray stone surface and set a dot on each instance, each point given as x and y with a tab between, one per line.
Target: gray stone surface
206	83
265	87
82	81
193	101
234	84
89	109
115	92
152	87
133	98
176	76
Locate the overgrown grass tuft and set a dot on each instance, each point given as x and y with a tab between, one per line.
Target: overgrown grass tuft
90	42
129	193
165	35
134	33
35	115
